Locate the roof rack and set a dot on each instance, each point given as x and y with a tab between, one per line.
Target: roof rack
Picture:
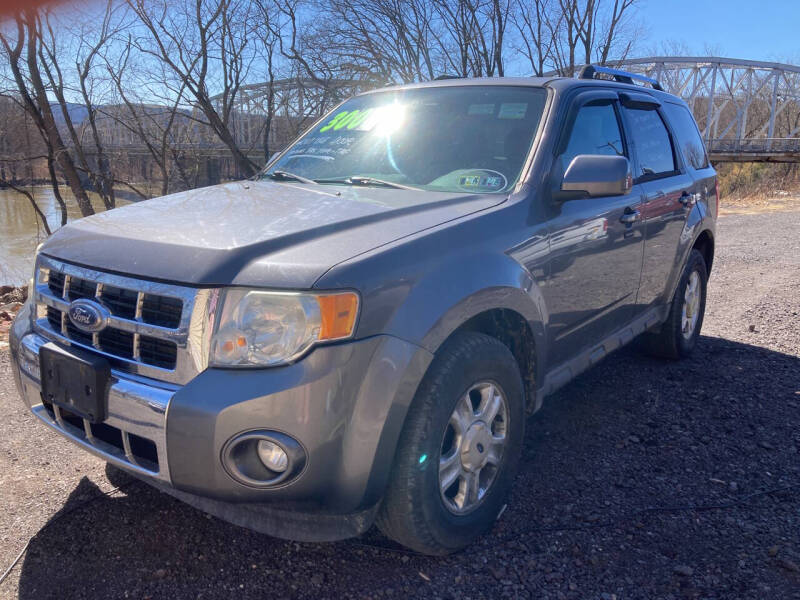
589	71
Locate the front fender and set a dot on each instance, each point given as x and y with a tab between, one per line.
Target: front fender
425	302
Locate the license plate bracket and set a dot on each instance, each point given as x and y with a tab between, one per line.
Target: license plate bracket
75	380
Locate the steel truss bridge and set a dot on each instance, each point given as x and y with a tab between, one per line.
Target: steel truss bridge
746	110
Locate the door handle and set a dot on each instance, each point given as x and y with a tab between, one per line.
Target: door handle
685	199
630	216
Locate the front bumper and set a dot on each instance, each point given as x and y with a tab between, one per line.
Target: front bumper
344	403
136	411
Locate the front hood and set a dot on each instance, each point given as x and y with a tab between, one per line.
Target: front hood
253	233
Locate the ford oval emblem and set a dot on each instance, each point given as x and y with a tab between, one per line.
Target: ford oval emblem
87	315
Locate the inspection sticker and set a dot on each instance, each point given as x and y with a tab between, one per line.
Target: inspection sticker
513	110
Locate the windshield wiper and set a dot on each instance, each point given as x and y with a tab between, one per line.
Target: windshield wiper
364	180
286	176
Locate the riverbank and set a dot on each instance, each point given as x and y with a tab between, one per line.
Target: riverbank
11	301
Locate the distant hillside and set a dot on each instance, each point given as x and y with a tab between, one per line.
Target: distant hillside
77	112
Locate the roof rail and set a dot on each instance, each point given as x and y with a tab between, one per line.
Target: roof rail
589	71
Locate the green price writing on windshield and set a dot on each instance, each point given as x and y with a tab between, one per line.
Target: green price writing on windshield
347	118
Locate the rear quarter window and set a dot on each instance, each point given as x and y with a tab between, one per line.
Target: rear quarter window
689	140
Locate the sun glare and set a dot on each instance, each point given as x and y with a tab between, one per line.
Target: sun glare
387	119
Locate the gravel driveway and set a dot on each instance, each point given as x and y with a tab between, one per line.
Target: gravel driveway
641	479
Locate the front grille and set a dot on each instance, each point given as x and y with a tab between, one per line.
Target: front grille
162	311
114	341
120	301
148	324
155	352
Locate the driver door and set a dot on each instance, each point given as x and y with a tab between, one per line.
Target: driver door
596	243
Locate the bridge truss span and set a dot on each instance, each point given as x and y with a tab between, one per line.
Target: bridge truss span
746	110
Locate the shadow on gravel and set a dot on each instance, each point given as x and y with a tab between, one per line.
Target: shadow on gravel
641	479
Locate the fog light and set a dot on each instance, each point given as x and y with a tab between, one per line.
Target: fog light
273	456
262	458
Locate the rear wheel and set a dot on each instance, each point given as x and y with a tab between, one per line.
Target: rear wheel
459	448
678	335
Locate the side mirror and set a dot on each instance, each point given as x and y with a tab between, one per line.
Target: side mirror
596	175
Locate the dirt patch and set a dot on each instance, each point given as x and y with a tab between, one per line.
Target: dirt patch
760	203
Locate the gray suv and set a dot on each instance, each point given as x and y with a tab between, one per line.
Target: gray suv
356	335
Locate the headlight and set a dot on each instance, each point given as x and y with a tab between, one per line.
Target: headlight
258	328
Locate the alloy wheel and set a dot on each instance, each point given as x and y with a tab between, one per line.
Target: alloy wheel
472	447
691	305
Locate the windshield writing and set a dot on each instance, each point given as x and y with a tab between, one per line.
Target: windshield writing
469	139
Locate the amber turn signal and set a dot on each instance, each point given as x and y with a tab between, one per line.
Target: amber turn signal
338	312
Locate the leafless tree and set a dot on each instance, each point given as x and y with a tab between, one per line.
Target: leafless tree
88	43
204	43
33	96
586	31
534	22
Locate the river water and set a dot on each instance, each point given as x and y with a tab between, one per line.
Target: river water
21	230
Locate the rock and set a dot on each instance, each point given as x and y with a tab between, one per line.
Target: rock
683	570
789	565
13	295
160	574
12	307
751	328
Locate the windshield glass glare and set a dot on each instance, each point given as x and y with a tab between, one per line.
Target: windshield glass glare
455	139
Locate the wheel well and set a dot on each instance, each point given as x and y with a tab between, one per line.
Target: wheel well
705	244
510	328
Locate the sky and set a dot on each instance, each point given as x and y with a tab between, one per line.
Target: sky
765	30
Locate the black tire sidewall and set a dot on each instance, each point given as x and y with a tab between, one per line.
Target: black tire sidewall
698	264
495	364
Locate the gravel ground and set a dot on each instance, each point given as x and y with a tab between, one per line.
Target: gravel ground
641	479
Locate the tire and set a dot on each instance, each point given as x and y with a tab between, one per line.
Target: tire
671	341
468	370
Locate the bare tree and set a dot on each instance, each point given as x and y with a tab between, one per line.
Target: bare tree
88	43
33	95
535	21
203	42
155	127
472	35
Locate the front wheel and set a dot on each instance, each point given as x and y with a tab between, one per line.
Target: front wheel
459	448
678	335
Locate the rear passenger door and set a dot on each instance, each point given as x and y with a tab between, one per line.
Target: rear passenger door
668	191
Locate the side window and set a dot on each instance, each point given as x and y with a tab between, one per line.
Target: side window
595	131
689	140
651	142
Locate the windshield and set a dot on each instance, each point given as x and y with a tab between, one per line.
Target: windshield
455	139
